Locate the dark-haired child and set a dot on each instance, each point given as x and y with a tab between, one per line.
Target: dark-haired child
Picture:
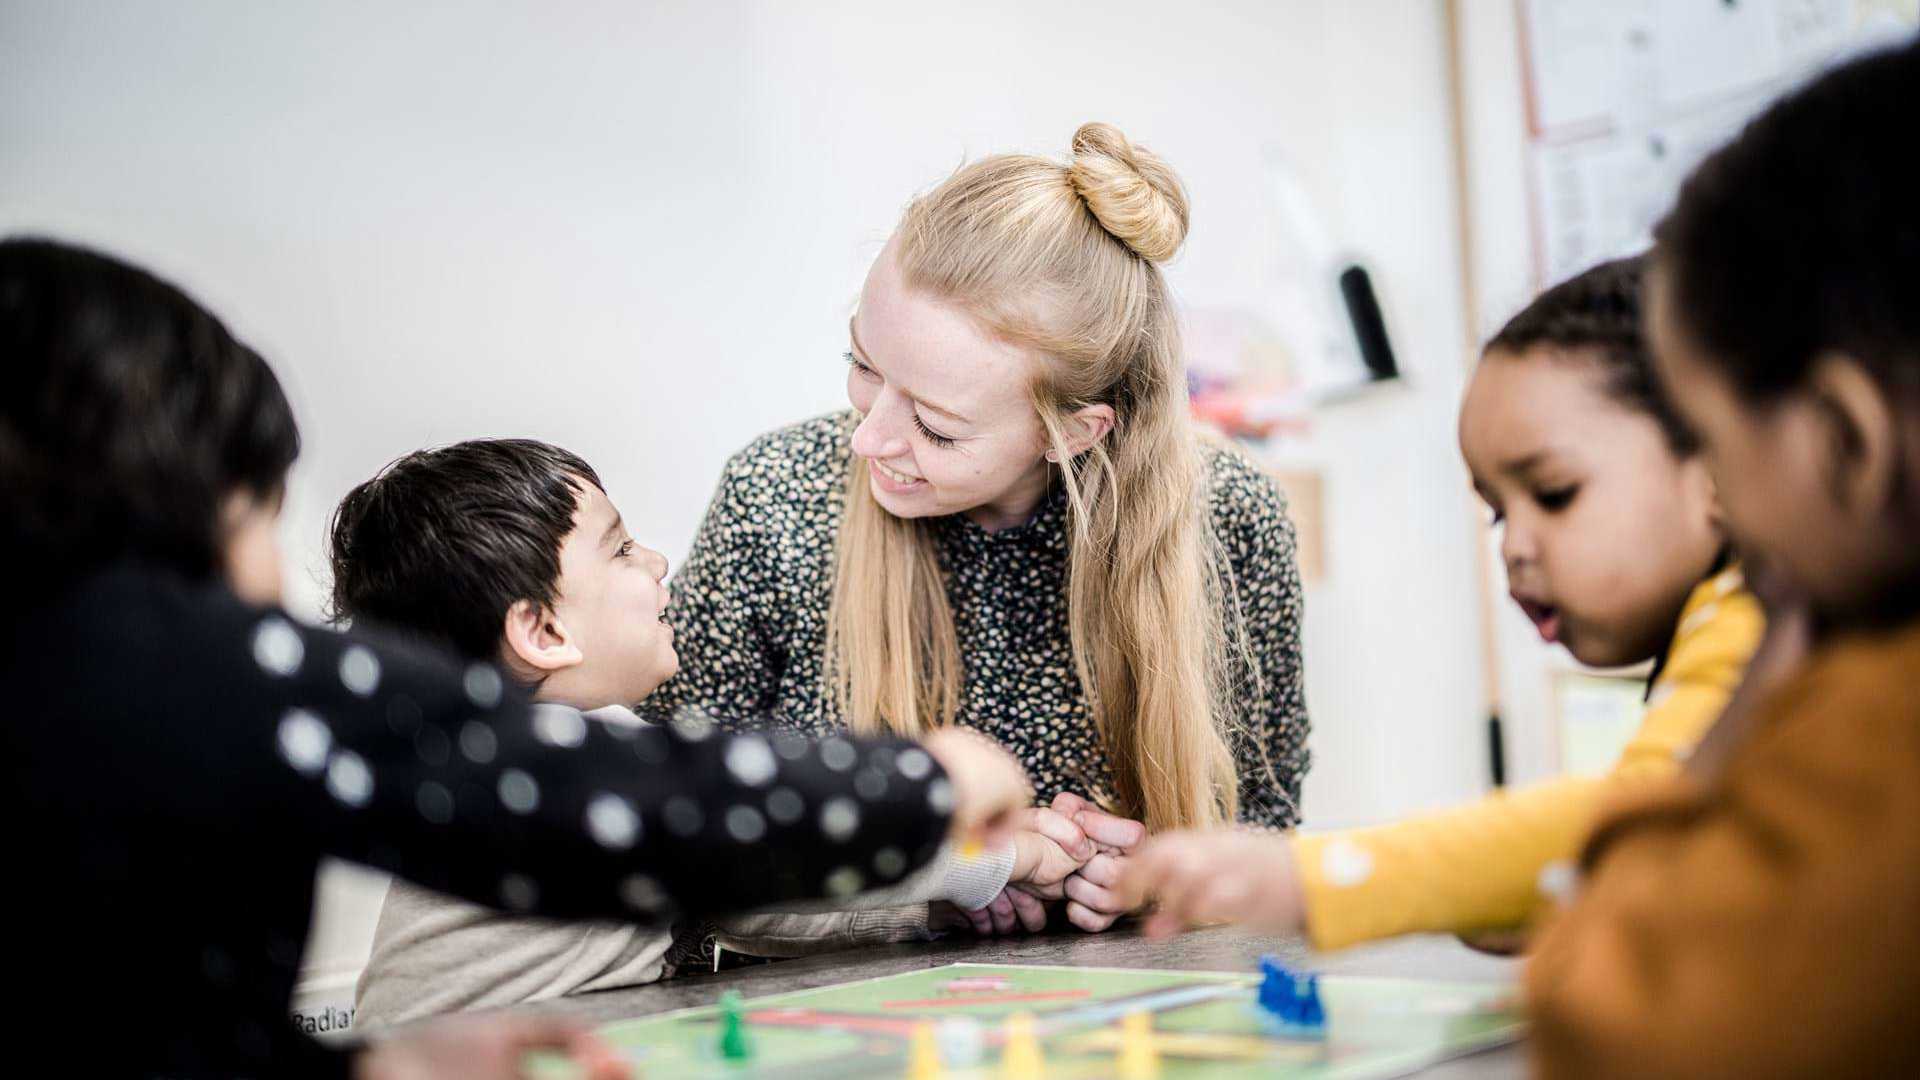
179	754
509	550
1613	548
1763	919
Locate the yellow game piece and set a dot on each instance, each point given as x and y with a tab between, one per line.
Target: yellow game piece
923	1055
1139	1052
1020	1058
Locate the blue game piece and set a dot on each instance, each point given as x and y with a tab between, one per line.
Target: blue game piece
1292	998
1276	986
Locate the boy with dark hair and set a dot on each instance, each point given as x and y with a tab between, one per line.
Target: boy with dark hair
509	550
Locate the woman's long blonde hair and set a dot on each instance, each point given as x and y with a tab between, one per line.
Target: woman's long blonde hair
1063	260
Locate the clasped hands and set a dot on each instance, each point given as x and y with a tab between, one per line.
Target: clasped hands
1069	855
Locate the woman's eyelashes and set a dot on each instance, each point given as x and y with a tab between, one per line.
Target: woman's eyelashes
932	436
625	550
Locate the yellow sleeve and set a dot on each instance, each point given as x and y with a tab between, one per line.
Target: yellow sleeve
1491	863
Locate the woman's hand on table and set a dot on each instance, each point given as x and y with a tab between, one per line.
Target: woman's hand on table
1071	854
1199	878
1094	902
1047	848
1010	912
487	1047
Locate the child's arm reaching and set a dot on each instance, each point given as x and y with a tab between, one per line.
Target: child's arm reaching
475	793
1494	863
1489	864
236	741
441	774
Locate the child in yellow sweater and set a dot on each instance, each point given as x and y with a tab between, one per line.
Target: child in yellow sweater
1760	916
1613	547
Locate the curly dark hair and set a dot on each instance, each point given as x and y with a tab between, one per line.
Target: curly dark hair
443	542
1599	309
128	416
1802	235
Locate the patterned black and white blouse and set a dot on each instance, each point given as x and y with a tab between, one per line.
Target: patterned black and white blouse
750	617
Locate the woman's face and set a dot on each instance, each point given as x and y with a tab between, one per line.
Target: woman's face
947	422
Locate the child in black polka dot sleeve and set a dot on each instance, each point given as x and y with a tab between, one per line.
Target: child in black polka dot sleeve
508	550
180	755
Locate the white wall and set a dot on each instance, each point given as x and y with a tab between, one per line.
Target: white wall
636	230
1504	280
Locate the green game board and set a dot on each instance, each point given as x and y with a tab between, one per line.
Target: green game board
1206	1025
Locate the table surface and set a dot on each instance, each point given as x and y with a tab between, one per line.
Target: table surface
1217	949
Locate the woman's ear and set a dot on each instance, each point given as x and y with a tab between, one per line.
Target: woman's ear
534	636
1859	436
1086	426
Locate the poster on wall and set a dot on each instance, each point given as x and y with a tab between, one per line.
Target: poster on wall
1625	97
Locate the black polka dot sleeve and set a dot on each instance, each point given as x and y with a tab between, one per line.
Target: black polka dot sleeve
186	761
447	777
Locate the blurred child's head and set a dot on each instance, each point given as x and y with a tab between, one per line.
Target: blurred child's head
1786	313
133	427
508	550
1608	517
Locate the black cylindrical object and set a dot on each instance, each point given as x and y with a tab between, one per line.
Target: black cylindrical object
1369	328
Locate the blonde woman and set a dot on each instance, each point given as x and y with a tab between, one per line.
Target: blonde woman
1016	529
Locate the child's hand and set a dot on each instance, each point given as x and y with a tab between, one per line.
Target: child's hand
1213	877
486	1047
989	785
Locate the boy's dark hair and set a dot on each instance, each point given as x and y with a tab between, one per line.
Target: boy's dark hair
443	542
128	416
1802	235
1599	309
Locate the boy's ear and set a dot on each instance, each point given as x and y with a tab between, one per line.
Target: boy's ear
534	636
1861	437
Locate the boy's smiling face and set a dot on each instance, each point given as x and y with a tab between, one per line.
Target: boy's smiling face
612	596
1605	529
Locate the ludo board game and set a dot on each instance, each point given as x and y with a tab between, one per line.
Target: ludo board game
1010	1022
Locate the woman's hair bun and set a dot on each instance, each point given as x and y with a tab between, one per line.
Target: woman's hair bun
1134	195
